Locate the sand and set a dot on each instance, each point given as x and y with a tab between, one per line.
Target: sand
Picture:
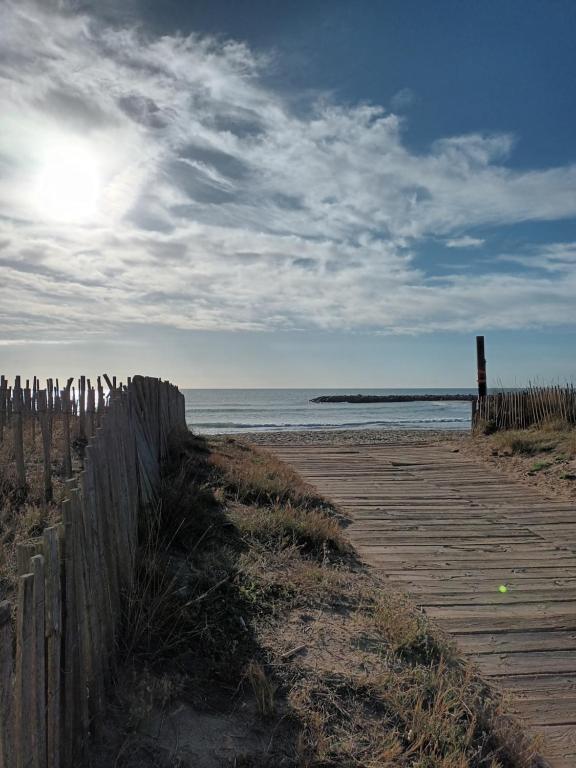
351	436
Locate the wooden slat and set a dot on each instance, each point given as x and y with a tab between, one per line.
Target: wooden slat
6	684
53	645
39	679
452	533
24	703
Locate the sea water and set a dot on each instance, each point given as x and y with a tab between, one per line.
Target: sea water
214	411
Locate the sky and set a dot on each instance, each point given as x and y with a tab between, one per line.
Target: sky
262	194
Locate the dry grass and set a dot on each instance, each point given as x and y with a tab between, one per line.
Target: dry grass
253	476
23	512
262	687
531	442
544	457
250	599
429	718
284	525
33	459
20	521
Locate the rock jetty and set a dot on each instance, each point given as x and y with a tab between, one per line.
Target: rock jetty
389	398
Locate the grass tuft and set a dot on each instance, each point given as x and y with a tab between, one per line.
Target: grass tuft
262	687
407	632
284	525
525	442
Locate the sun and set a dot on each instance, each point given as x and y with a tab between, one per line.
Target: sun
68	185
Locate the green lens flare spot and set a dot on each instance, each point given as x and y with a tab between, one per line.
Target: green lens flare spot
502	588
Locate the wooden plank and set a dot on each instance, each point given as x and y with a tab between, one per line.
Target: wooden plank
536	686
53	645
530	611
529	663
24	710
560	741
39	679
72	687
547	710
501	642
430	599
6	685
46	430
18	435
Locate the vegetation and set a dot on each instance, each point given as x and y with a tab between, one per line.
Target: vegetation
23	512
251	616
544	455
553	436
21	518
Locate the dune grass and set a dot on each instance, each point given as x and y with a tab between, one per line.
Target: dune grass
550	437
544	456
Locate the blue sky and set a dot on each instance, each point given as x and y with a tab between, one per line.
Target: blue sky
288	194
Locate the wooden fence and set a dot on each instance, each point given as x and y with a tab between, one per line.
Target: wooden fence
525	408
57	637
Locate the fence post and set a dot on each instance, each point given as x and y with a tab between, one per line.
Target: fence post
18	434
6	672
24	700
82	406
39	685
481	366
67	458
27	398
3	393
53	599
46	444
91	410
34	404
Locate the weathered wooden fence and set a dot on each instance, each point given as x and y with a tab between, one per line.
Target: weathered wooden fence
525	408
61	420
57	638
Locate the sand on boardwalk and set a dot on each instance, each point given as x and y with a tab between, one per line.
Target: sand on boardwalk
556	476
337	437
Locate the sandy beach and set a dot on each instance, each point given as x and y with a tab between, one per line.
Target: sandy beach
351	436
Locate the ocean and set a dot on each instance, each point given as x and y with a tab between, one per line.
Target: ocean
216	411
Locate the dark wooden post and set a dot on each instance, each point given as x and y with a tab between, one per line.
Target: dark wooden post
18	433
82	404
481	364
3	396
46	442
66	410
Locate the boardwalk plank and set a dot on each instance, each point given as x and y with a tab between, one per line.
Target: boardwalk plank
451	532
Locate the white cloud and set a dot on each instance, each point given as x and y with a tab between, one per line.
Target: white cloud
553	257
222	207
464	242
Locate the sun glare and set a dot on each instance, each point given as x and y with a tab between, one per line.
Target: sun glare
68	184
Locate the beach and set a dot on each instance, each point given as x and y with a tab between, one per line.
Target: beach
337	437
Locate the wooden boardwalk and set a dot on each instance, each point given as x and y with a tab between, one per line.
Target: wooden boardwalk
450	532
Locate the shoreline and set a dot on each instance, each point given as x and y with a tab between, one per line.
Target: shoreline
348	436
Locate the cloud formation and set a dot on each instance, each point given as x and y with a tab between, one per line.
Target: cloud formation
464	242
218	203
